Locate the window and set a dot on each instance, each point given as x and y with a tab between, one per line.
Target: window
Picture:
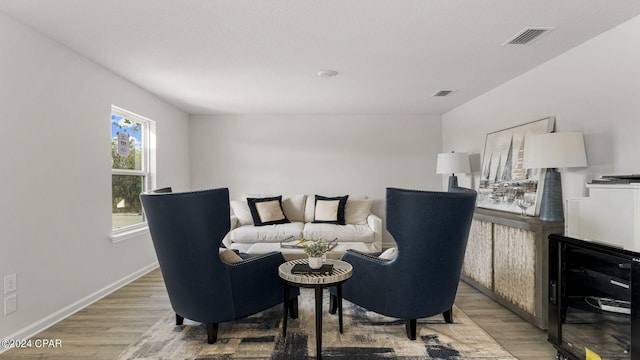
131	155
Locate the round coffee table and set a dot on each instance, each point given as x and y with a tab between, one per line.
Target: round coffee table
342	271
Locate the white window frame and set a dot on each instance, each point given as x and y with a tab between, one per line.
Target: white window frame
147	170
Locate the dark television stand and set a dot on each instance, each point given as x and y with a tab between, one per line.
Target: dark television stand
594	292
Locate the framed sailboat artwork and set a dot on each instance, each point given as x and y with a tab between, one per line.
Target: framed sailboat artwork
504	180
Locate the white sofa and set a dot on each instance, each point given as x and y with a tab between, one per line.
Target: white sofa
362	230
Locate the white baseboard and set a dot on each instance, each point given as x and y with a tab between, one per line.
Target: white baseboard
48	321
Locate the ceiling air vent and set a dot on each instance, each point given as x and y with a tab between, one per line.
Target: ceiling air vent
442	92
528	35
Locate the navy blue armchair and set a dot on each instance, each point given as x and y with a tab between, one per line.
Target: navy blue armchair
187	230
431	231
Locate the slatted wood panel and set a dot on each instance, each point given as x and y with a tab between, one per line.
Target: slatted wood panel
104	329
478	259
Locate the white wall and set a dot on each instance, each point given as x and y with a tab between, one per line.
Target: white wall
593	88
335	155
56	181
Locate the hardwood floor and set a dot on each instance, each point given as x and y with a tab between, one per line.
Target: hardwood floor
107	327
104	329
520	338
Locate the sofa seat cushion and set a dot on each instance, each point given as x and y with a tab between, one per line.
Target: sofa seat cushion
328	232
267	233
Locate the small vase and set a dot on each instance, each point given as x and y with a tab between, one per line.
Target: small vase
315	262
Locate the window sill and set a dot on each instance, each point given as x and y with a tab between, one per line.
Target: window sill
128	233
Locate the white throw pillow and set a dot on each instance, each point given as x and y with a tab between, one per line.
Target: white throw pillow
357	210
389	254
327	210
242	212
270	211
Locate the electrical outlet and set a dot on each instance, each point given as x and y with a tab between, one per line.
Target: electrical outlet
10	304
10	284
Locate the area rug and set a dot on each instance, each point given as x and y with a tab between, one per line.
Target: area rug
367	335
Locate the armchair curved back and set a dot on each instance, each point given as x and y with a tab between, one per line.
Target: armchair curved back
431	231
186	230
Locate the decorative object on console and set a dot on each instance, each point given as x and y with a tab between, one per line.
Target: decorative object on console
524	201
452	163
552	151
503	175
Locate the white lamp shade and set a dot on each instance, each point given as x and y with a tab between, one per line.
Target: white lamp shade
451	163
554	150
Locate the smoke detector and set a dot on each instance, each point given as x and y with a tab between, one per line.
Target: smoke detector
327	73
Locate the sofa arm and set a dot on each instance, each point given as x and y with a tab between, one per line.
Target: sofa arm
375	223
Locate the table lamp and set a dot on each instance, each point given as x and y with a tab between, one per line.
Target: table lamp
452	163
553	151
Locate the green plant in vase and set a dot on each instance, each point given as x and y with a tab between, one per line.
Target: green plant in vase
315	249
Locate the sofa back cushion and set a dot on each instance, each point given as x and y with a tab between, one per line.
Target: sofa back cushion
242	212
357	211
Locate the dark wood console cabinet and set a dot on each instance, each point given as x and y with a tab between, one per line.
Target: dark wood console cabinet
507	259
582	274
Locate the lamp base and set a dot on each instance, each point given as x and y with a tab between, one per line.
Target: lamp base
551	208
453	181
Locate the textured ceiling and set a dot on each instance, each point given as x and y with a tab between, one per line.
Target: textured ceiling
261	57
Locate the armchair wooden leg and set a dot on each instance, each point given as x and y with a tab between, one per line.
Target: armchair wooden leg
293	308
410	325
212	332
179	319
333	304
448	316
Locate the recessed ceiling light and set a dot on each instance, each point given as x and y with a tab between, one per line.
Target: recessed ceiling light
327	73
